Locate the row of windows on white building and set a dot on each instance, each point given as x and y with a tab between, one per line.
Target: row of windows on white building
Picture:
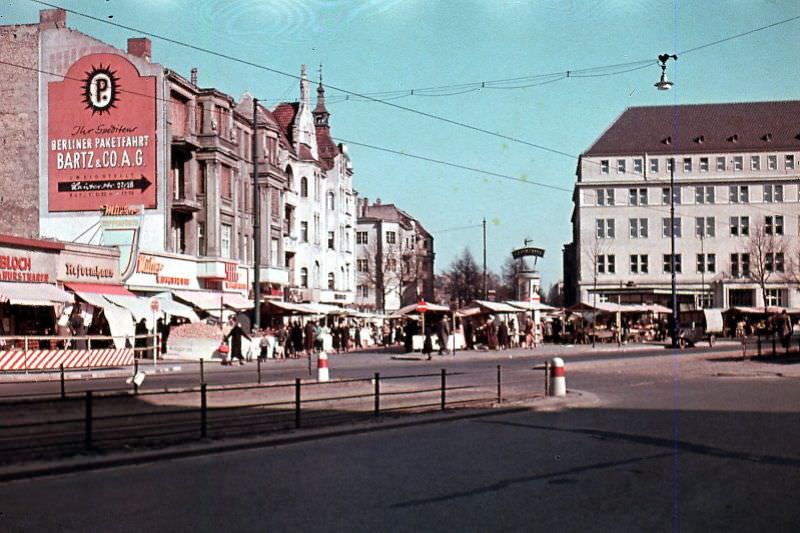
774	262
703	194
721	163
738	226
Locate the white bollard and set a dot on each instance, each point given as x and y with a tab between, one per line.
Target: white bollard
322	367
558	383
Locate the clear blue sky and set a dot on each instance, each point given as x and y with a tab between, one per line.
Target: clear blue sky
389	45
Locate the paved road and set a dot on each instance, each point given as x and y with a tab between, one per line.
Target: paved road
683	452
666	448
354	365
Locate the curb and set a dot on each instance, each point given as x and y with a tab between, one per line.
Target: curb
55	375
84	464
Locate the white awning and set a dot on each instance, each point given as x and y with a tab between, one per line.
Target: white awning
211	301
173	308
138	307
120	319
33	294
494	307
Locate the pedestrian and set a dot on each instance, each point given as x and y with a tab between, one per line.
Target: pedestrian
310	337
163	330
344	334
235	335
468	335
785	329
441	334
297	339
140	341
77	327
427	345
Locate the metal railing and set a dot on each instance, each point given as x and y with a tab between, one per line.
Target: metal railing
94	420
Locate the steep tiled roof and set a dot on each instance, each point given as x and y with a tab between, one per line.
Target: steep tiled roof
245	107
305	153
739	127
284	113
326	147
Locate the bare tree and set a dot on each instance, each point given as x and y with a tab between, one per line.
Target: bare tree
390	270
597	247
766	253
464	279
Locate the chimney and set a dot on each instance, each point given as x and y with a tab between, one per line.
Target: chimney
52	18
140	47
364	204
377	201
194	76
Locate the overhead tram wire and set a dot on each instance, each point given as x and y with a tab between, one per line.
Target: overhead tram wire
406	154
458	228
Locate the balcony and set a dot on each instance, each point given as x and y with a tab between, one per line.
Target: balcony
185	205
290	243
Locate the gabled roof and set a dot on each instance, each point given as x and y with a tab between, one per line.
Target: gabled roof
284	113
702	128
326	148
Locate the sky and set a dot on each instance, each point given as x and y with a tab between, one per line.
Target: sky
542	120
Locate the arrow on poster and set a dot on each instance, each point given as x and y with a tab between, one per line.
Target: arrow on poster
141	184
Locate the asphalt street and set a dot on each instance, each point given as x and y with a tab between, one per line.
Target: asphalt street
666	446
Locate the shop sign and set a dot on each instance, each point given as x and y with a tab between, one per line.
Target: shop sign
234	279
160	271
92	271
18	268
101	147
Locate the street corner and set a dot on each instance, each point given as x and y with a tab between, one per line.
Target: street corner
573	399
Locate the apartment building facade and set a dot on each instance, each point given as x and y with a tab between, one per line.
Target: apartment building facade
735	169
394	258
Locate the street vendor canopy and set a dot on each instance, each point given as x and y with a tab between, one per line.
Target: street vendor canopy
287	308
412	309
211	301
492	307
33	294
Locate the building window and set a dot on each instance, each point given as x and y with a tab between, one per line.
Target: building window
331	243
605	196
740	265
637	166
789	162
225	240
738	163
363	291
201	178
201	238
774	262
362	237
362	265
665	195
665	227
639	264
304	277
773	193
739	194
755	162
225	179
704	194
704	227
637	196
668	263
687	164
606	264
391	264
638	228
773	224
391	237
604	166
331	201
703	164
740	226
273	253
721	164
775	297
331	281
620	166
671	165
303	231
772	162
304	187
654	165
706	263
604	228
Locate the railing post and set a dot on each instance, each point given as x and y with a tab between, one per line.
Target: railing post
135	373
63	385
499	389
444	388
202	372
88	421
297	402
547	378
258	366
377	394
203	412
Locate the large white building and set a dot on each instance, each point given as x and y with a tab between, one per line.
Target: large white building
736	207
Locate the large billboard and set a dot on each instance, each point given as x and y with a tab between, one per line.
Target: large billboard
101	136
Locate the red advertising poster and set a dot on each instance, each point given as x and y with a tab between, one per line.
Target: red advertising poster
102	136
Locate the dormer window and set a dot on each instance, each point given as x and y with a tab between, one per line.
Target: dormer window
734	138
667	140
767	137
700	140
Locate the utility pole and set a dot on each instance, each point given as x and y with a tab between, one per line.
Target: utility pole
256	225
485	287
675	325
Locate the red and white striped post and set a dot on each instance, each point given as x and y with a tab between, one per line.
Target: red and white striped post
322	367
558	381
